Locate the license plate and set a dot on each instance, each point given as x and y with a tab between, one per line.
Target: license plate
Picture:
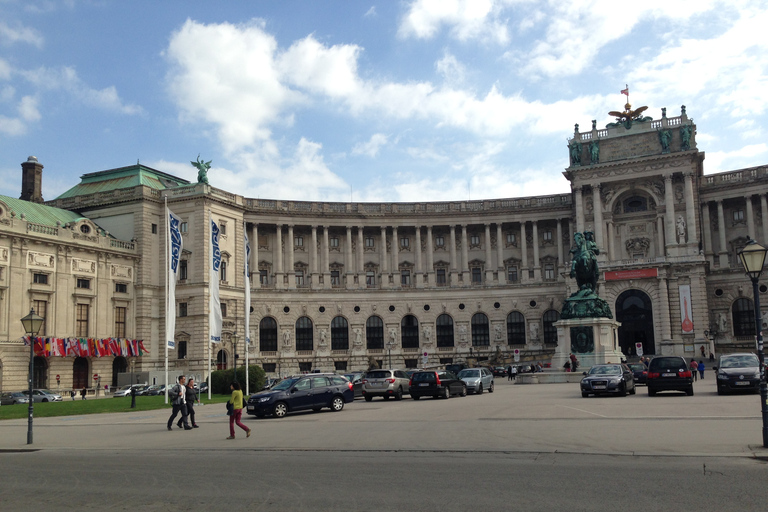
424	384
741	383
598	387
669	375
250	407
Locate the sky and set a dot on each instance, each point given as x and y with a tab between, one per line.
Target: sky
398	100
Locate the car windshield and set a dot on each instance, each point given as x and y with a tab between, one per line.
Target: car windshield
125	387
637	367
469	373
284	384
605	370
745	361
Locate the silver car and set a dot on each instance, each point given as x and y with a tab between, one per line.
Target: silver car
385	383
477	379
44	395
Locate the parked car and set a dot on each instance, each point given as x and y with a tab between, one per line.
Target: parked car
357	383
155	389
385	383
608	379
203	387
311	391
126	390
142	390
499	371
669	373
455	368
13	398
738	372
43	395
436	383
640	372
477	379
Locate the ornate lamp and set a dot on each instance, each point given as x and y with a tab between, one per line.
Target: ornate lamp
32	324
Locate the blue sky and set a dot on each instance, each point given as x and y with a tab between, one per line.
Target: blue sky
421	100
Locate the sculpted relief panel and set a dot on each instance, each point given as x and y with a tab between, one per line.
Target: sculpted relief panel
83	266
121	272
40	259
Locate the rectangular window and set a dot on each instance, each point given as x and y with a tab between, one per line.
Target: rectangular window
511	238
298	241
263	279
474	239
477	275
340	366
269	367
335	278
440	241
222	228
84	284
41	308
369	241
512	274
181	349
183	270
223	310
121	288
184	227
548	236
154	229
40	278
405	242
305	367
334	241
120	315
549	271
738	215
405	277
299	278
223	271
182	309
370	279
81	321
440	276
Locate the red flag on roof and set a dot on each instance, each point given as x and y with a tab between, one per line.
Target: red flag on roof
625	92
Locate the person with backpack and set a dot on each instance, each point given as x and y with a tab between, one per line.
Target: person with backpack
237	411
177	395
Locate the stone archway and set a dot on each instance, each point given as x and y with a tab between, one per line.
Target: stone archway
634	310
40	373
119	365
80	373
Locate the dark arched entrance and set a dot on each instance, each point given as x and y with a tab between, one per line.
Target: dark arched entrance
40	374
80	373
119	365
635	312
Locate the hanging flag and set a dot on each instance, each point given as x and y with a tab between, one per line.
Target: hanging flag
215	304
173	258
247	268
625	92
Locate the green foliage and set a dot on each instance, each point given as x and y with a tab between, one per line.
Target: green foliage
221	379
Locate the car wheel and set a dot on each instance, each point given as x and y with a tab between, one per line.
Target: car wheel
689	391
337	404
651	392
415	397
584	394
399	394
479	390
463	390
446	392
280	410
490	389
623	391
45	400
368	398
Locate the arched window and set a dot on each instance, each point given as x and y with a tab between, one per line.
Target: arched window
481	332
304	334
515	328
409	329
221	360
444	325
339	333
743	313
374	332
550	331
268	335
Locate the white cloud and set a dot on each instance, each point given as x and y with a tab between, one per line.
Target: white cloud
467	19
27	113
20	34
452	70
747	156
372	147
370	12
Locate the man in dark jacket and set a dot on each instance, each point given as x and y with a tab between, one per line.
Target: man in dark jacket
190	396
177	394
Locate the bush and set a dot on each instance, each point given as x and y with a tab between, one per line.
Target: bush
221	379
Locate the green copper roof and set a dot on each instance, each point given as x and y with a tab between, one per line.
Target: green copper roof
124	177
39	213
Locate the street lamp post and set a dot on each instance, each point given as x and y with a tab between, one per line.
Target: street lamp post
235	338
32	324
753	259
390	346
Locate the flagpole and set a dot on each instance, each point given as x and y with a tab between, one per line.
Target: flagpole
167	298
247	296
210	347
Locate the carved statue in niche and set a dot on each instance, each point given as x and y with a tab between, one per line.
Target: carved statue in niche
685	137
393	336
635	245
722	323
534	331
463	333
323	338
497	332
358	336
680	229
679	194
427	335
286	338
665	137
574	148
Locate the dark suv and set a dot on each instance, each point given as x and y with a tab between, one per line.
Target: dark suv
439	383
669	373
302	392
738	372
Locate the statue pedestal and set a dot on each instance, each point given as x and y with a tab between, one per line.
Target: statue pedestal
592	340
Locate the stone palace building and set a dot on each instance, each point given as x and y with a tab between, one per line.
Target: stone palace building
334	285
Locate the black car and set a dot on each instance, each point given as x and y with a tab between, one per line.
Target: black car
357	382
499	371
738	372
437	383
608	379
312	391
455	368
669	373
640	372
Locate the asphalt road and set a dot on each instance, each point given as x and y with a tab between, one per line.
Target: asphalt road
537	447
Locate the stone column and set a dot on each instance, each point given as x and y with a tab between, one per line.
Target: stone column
660	236
454	267
536	261
349	262
597	208
500	270
465	255
360	258
610	241
488	256
690	212
669	201
326	259
666	322
723	250
255	283
764	211
524	255
291	265
279	275
313	259
559	234
430	258
395	257
383	262
579	203
750	217
706	230
418	276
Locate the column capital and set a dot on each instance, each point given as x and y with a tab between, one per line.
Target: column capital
668	177
596	186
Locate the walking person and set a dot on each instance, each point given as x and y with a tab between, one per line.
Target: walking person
237	412
190	395
82	393
178	396
509	372
72	394
694	369
701	369
514	373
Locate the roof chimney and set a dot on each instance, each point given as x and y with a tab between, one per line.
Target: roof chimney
32	180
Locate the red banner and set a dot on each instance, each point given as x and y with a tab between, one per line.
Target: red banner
640	273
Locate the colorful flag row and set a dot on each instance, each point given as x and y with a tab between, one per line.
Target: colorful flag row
87	347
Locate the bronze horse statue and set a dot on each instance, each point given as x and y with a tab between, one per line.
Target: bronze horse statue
584	262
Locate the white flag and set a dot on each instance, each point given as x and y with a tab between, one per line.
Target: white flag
246	265
215	303
174	256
